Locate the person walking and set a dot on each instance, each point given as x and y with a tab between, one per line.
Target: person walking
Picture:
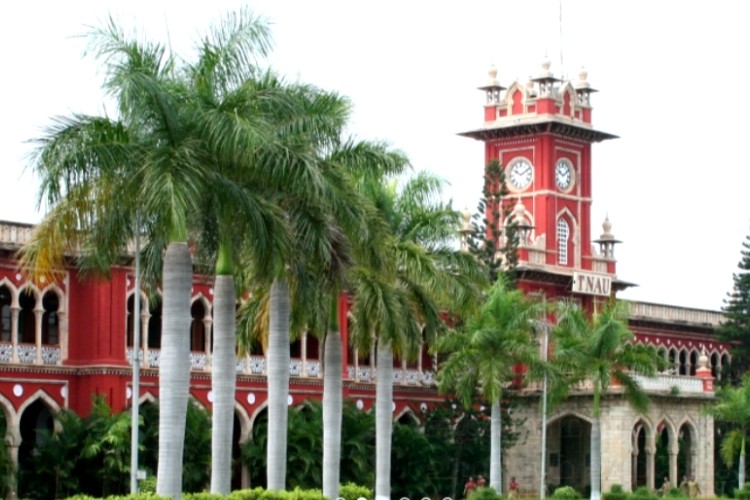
513	488
693	489
469	487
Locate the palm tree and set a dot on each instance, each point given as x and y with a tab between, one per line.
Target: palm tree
404	294
97	172
235	107
600	350
484	355
328	230
353	215
733	407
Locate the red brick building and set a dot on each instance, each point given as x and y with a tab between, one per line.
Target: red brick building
62	342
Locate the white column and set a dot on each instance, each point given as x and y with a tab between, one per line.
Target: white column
145	315
14	312
38	316
208	332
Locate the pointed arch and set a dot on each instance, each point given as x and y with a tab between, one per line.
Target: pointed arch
200	316
245	422
407	412
260	409
28	304
516	99
130	321
570	413
7	298
565	238
12	421
642	446
40	395
568	100
53	312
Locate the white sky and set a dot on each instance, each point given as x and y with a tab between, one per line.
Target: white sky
672	76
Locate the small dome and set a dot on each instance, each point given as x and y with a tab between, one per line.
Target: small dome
583	76
466	227
607	227
703	359
492	73
546	64
519	211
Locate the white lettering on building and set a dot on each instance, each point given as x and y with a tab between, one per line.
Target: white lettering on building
592	284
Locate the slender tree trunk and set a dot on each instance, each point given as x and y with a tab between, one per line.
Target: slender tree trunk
741	472
332	412
278	385
174	368
596	458
223	381
496	448
383	420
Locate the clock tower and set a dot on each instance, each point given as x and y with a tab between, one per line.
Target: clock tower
540	132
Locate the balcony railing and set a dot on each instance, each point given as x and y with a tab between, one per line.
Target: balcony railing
256	365
659	384
27	354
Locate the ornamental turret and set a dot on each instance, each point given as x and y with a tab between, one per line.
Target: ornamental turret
540	132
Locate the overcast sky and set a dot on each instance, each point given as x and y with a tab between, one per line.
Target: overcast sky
673	80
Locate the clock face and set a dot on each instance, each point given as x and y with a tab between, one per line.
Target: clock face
563	175
520	174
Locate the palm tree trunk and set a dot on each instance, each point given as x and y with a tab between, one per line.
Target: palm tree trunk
332	412
383	420
223	381
278	384
596	458
174	368
741	472
496	448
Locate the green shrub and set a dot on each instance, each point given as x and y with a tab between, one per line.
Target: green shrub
566	493
675	492
485	494
616	492
139	496
203	495
744	493
148	485
351	491
642	493
261	494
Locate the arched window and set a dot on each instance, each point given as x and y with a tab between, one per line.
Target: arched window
154	325
130	327
50	319
5	314
131	318
26	318
563	236
197	328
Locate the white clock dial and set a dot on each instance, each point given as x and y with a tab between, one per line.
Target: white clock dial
563	175
520	174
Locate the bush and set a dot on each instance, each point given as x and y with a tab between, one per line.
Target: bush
566	493
351	491
261	494
616	492
744	493
485	494
139	496
642	493
148	485
675	492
